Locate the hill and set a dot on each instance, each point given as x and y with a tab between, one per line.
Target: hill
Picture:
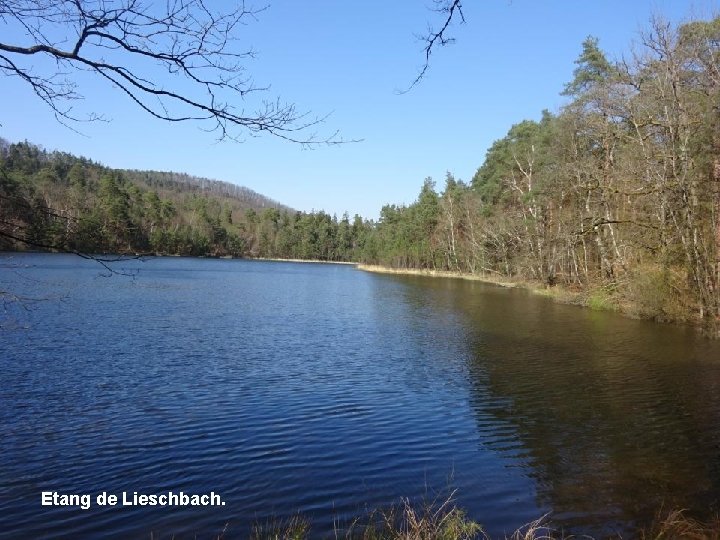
60	202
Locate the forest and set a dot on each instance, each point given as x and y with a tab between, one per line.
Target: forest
56	201
615	196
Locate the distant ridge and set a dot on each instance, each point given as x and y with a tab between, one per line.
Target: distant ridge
162	181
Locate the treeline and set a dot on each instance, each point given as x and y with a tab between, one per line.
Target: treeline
56	201
616	195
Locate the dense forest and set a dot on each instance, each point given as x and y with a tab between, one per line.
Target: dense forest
615	196
56	201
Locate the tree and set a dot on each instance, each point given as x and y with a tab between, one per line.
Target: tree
592	68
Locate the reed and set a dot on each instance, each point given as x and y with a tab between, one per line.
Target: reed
443	520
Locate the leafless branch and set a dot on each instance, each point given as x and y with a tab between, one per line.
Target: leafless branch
449	9
105	262
125	41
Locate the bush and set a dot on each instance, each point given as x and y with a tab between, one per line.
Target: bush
657	292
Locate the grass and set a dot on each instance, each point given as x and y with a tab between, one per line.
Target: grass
443	520
677	524
295	528
600	300
404	521
494	279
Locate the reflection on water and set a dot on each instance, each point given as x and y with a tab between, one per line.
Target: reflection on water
615	418
325	390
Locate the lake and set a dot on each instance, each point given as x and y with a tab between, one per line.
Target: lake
325	390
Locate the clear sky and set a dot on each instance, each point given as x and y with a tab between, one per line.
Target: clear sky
510	61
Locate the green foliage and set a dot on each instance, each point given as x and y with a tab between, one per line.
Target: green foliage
600	299
56	201
592	68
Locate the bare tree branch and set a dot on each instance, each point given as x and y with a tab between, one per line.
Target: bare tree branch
202	79
16	231
449	9
105	262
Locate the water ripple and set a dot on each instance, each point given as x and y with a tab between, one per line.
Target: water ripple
329	391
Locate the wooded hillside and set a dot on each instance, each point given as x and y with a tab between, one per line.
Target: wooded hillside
617	195
56	201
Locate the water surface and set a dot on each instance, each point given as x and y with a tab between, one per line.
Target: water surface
325	390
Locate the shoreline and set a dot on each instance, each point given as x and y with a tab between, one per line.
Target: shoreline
558	292
593	299
378	269
309	261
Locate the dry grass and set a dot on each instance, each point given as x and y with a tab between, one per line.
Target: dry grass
294	528
536	530
439	519
309	261
495	280
431	521
677	525
445	521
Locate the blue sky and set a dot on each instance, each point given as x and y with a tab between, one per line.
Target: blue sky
510	61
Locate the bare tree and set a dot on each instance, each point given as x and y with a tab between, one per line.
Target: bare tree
178	60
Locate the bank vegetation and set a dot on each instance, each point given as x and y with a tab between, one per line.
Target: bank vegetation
445	521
